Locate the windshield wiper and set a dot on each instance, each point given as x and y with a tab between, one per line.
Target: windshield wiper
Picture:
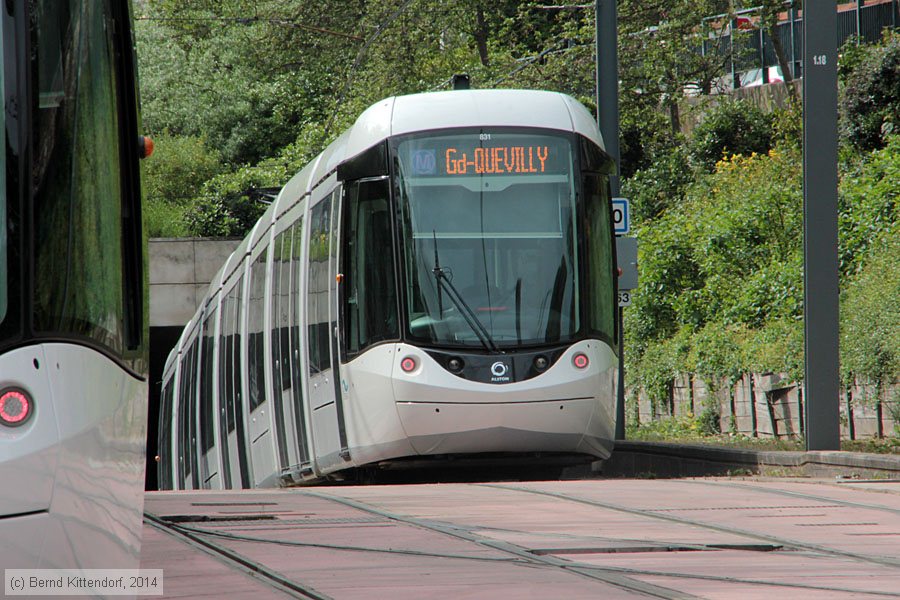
468	314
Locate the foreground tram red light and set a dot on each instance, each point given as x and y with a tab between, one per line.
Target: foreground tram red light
15	407
580	360
408	364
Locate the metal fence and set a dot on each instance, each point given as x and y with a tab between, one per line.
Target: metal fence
752	56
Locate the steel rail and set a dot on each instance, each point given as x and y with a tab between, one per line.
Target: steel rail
293	543
236	561
617	579
874	559
795	494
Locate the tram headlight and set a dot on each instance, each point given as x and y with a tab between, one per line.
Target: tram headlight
16	407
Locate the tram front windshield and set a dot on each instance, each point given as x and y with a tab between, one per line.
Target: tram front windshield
489	238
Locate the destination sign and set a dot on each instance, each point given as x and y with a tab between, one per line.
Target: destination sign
496	160
486	154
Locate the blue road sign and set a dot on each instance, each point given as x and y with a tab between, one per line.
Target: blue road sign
621	216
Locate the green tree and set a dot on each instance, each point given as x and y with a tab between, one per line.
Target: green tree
730	127
659	44
870	94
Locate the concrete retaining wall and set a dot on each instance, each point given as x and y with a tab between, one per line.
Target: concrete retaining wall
180	272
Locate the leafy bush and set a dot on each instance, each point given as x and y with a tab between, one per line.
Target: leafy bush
658	186
869	202
178	168
171	180
870	95
229	205
870	311
164	219
728	128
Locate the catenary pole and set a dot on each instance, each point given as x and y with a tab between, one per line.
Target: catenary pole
608	119
820	226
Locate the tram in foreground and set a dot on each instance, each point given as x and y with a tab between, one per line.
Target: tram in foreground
73	362
439	282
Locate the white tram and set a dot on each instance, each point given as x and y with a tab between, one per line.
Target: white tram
73	361
438	282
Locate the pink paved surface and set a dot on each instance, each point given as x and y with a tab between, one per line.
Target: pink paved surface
505	541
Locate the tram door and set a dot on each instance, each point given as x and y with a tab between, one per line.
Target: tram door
209	458
329	433
260	435
231	425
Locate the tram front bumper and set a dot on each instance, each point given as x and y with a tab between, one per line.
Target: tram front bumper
569	425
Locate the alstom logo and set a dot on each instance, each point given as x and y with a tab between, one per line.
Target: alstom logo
500	372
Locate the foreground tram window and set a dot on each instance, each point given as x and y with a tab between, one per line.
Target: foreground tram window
8	227
76	182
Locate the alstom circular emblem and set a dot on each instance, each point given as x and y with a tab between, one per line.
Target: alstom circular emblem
499	369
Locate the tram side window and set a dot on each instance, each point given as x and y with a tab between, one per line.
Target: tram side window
226	357
75	177
255	345
284	314
281	376
195	425
190	407
207	418
296	372
186	425
165	437
601	296
296	278
236	350
317	283
370	301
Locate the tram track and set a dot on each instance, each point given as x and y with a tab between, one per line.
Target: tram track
796	494
782	541
199	537
622	577
618	579
234	560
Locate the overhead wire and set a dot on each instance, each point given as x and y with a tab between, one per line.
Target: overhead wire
359	56
532	60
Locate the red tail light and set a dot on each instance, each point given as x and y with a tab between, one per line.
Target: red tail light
580	360
408	364
15	407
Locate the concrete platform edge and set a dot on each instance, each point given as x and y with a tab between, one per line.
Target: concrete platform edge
661	459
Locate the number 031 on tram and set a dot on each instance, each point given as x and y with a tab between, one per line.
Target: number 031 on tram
438	282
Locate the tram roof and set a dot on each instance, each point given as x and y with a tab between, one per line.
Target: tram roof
489	108
400	115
